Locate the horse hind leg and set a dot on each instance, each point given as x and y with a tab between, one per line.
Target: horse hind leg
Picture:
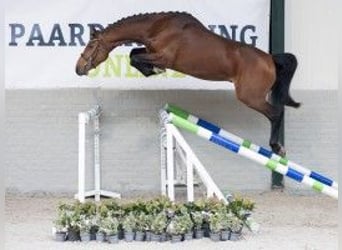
137	60
274	115
286	65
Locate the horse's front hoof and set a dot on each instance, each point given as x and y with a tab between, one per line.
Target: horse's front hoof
278	149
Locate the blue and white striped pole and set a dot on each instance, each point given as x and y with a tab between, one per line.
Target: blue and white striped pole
248	144
269	163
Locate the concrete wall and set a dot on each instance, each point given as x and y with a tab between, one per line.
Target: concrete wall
311	29
42	138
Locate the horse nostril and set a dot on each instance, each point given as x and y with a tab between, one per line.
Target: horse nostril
79	72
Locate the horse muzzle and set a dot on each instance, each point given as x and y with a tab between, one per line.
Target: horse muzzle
82	67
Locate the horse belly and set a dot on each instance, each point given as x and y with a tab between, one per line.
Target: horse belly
206	66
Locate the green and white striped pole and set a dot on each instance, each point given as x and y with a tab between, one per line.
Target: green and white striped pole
239	149
248	144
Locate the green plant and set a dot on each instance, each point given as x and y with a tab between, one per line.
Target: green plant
180	224
142	222
236	224
225	218
159	223
215	223
109	225
86	222
157	205
241	207
198	219
129	222
72	215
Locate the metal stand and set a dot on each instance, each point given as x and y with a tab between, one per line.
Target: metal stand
83	119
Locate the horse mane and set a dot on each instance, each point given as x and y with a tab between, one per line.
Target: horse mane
143	16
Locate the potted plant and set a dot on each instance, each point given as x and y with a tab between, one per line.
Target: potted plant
110	226
187	226
225	218
141	226
128	225
148	232
60	228
236	226
72	214
175	229
158	226
198	219
85	225
215	226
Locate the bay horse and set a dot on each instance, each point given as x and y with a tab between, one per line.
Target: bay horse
179	41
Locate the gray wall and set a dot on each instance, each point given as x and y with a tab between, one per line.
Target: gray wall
42	138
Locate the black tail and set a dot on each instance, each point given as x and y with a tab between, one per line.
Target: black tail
286	65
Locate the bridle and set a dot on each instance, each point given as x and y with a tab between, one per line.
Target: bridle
99	44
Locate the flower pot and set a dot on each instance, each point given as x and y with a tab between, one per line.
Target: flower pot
85	236
129	236
155	237
73	235
225	234
60	236
148	236
234	236
113	239
100	237
206	229
139	236
188	236
163	237
176	238
93	231
199	233
214	236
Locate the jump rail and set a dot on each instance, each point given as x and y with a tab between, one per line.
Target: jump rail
250	154
248	144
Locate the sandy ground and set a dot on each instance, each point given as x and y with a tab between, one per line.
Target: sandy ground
287	222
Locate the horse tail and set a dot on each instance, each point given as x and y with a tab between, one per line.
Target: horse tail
286	65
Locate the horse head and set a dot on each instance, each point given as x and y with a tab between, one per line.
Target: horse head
95	52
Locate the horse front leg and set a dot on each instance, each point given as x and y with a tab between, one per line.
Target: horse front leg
276	120
144	62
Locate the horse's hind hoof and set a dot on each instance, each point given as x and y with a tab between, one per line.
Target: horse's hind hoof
279	149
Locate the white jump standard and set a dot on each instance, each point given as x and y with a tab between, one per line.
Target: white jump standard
250	154
83	119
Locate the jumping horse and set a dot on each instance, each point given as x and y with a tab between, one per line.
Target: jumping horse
178	41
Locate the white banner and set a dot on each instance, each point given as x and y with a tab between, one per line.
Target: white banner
45	38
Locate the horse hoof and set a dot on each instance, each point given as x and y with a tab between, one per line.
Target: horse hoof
279	149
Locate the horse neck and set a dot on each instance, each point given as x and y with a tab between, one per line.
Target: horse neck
117	34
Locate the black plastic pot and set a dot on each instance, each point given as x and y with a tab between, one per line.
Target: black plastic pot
188	236
113	239
100	237
139	236
225	234
155	237
176	238
148	236
85	236
60	236
129	236
214	236
199	233
73	235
